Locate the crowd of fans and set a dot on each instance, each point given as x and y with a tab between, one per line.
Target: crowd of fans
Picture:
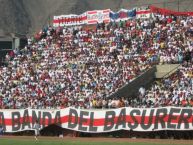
176	90
75	66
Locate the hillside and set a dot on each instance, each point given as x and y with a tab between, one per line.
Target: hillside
28	16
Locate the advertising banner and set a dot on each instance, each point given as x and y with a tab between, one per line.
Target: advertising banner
69	20
98	16
143	13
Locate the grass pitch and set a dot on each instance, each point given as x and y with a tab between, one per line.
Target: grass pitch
88	141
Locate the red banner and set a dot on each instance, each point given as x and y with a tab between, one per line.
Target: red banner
169	12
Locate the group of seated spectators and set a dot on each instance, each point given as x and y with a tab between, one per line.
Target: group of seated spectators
80	67
176	90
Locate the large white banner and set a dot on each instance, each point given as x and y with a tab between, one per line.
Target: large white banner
98	121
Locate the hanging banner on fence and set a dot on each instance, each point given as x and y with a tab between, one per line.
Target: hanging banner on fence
92	17
98	16
143	13
69	20
169	12
122	15
98	121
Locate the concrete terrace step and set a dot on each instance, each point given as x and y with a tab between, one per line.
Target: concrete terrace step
166	70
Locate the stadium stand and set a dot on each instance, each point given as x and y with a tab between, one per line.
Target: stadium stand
73	66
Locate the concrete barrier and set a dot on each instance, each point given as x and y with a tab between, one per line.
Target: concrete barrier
131	89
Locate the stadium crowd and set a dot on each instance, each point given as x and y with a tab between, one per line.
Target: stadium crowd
176	90
74	66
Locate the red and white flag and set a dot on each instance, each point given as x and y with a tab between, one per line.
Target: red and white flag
98	16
